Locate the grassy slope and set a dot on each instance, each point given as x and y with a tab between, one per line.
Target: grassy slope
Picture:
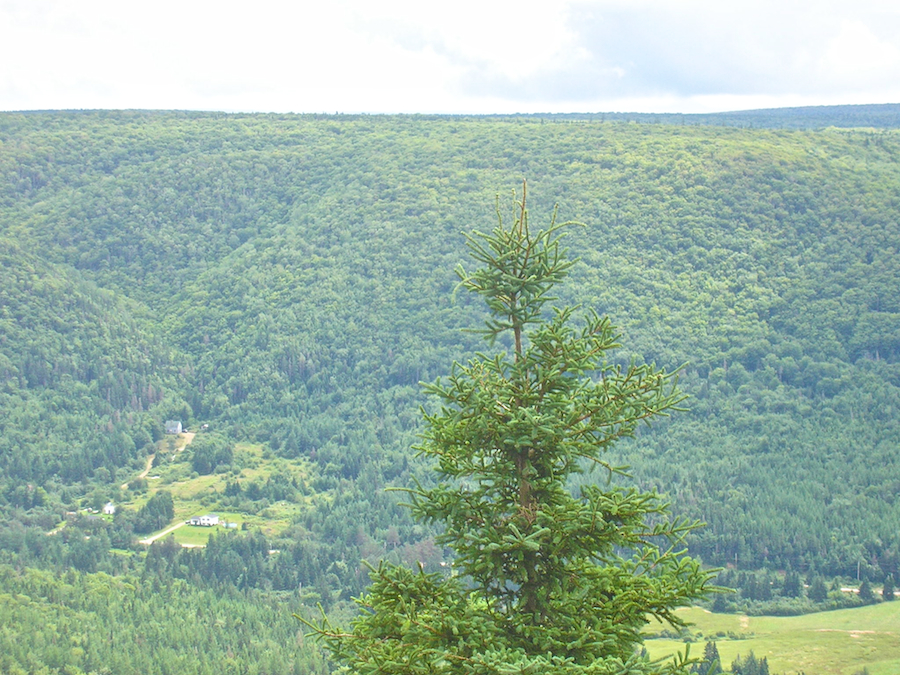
826	643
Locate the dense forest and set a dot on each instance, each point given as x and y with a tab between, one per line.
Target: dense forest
289	281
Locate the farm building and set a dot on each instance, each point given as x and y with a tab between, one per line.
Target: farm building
208	520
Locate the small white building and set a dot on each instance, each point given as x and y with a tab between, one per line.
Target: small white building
173	427
209	520
109	509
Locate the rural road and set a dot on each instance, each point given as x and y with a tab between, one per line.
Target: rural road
142	474
168	530
186	436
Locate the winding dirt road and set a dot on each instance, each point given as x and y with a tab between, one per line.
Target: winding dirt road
168	530
185	436
142	474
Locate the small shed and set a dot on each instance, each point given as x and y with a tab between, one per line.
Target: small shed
173	426
109	509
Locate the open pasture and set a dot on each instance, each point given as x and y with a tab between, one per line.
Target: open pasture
825	643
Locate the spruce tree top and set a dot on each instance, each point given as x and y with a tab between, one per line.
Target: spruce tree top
546	581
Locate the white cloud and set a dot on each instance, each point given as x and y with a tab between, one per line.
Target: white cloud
858	56
510	38
468	56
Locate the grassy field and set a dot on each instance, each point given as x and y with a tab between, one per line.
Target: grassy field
826	643
194	535
196	495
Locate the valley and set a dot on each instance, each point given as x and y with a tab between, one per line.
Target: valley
289	281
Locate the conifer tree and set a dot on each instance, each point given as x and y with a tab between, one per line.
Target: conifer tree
545	581
865	592
764	588
792	586
887	591
750	666
711	663
818	591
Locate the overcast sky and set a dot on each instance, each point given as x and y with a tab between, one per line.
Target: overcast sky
466	56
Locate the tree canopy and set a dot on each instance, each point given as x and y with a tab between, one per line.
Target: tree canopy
269	274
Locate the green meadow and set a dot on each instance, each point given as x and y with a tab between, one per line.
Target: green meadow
195	495
841	642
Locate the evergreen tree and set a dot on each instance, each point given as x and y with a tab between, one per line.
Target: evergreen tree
818	591
792	586
865	592
750	590
711	663
750	666
888	591
543	584
764	588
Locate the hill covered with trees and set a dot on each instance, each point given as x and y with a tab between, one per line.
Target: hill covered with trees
872	116
289	281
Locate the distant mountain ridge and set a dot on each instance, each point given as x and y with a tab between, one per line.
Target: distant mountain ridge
848	116
871	115
878	116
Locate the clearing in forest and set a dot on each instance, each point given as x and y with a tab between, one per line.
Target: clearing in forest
826	643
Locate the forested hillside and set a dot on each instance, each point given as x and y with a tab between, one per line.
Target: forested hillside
80	373
289	280
872	116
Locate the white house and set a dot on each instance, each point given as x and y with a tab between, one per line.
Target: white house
109	509
173	426
205	521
